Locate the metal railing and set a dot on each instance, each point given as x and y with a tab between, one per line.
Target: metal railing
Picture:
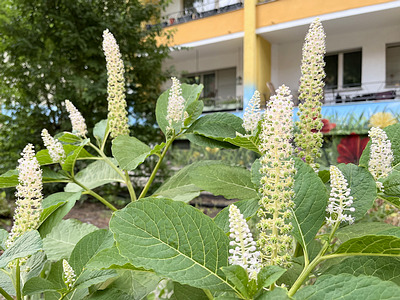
222	104
201	9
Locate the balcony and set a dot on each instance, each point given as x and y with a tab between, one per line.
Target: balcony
219	104
201	9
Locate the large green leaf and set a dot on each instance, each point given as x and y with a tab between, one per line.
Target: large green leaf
360	229
348	287
38	285
109	258
3	239
55	207
222	179
60	242
6	283
248	208
217	126
393	134
44	157
208	142
51	176
130	285
255	173
385	268
380	245
27	244
94	175
310	200
363	188
129	152
239	277
175	240
391	186
244	141
180	186
9	179
99	131
70	161
190	93
187	292
33	266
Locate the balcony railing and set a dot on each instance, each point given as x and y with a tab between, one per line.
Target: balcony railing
222	104
201	9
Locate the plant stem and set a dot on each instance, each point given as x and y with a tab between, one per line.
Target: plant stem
97	196
153	174
208	294
5	294
123	176
130	187
18	280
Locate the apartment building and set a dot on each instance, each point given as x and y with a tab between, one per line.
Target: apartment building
234	47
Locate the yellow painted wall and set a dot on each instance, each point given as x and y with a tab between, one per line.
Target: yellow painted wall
263	65
282	11
206	28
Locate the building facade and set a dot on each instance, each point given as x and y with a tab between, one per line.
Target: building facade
233	47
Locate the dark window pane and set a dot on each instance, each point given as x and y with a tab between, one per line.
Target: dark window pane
352	69
393	64
192	80
331	70
209	85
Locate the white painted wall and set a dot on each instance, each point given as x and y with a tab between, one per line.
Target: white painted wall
174	7
286	58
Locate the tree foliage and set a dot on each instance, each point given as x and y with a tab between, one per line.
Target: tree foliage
51	51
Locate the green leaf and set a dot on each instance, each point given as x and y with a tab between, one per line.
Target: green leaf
38	285
130	285
129	152
385	268
395	201
255	173
69	162
89	277
248	208
194	111
6	283
391	186
348	287
247	142
180	187
33	266
269	275
94	175
109	258
222	179
360	229
239	277
187	292
27	244
99	131
175	240
217	126
208	142
310	198
380	245
393	134
3	239
325	175
50	176
60	242
363	188
55	207
89	246
44	158
9	179
69	138
277	294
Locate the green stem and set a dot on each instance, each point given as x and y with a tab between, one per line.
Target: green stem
97	196
18	280
110	163
153	174
5	294
208	294
105	139
130	187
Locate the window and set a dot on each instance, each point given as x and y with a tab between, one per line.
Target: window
393	64
343	70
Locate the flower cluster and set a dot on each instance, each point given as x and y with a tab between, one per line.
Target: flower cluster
309	138
29	195
382	120
69	274
340	200
176	103
381	155
252	114
244	252
277	169
56	150
77	121
117	114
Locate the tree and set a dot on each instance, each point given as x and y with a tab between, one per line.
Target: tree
51	51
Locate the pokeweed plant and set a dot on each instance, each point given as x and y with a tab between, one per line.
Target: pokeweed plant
309	241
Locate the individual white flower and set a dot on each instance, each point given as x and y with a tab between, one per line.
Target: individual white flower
311	91
381	155
244	249
29	195
176	103
77	121
277	170
69	274
56	150
252	114
340	200
117	114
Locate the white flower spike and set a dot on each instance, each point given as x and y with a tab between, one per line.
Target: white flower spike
176	103
69	274
77	121
252	114
56	150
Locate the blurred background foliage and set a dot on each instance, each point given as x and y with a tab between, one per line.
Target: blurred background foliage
51	50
